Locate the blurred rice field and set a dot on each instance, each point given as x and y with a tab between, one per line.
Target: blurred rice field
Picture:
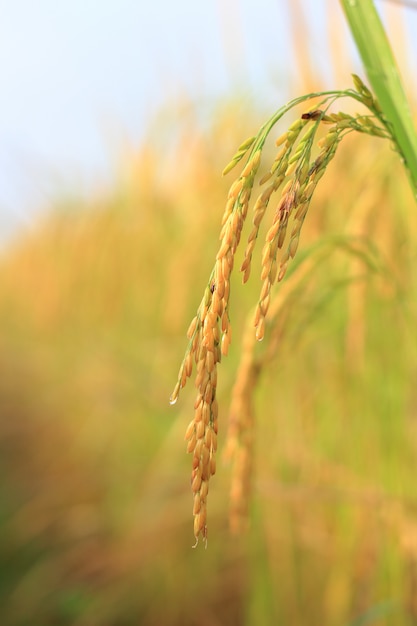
95	502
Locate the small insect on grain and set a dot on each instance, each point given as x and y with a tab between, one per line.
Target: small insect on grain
312	115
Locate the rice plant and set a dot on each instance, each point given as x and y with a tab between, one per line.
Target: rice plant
95	501
303	157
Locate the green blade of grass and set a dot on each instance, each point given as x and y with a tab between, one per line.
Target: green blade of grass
383	75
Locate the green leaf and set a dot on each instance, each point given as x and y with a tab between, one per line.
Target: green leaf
383	75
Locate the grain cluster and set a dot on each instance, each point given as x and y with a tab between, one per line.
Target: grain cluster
305	150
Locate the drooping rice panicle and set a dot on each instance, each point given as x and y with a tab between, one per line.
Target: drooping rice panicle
298	170
239	448
209	337
240	435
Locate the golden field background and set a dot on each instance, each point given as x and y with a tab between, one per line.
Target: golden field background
95	505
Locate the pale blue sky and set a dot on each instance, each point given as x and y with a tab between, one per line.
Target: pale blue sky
77	76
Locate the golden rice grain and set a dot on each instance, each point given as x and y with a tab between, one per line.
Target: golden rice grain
247	143
265	177
281	139
282	231
190	431
214	405
225	343
200	429
197	504
236	188
174	396
260	328
282	271
252	164
291	168
293	246
198	448
191	444
198	524
204	490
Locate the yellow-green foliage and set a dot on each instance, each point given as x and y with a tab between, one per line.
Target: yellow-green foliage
95	500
